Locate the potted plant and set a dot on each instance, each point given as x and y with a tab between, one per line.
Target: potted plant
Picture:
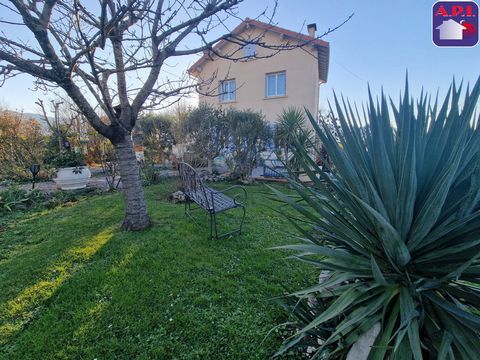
72	171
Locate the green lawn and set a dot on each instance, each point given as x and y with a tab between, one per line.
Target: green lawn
72	286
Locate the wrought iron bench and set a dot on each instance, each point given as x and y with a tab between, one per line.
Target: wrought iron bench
211	200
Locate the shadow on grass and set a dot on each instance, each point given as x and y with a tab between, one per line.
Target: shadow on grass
17	312
43	229
168	292
37	256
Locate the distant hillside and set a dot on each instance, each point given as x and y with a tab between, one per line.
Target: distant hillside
33	116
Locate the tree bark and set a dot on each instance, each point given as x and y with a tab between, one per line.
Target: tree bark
210	166
136	217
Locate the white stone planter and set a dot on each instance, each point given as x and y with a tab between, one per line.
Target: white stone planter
72	178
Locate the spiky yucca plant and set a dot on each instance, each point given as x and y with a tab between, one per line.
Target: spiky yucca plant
292	127
397	225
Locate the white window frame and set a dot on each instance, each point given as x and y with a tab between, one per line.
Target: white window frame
276	92
225	93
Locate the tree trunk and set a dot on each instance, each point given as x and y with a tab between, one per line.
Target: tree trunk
136	217
59	136
210	166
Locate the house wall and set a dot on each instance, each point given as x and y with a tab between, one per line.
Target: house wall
300	65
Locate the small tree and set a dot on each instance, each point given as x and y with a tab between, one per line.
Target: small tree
246	131
93	145
206	130
179	113
109	164
64	117
156	131
291	125
107	56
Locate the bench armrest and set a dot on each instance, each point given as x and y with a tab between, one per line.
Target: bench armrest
239	199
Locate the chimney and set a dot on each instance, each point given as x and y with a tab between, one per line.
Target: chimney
312	28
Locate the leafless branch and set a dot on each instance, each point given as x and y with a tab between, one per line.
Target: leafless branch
113	55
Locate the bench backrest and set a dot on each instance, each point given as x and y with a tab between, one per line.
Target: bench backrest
193	185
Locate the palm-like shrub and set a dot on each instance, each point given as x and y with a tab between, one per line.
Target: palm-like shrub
397	226
292	128
290	122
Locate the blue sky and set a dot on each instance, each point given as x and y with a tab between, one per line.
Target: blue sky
383	40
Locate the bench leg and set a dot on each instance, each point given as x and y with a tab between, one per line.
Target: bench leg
215	222
211	226
243	219
188	208
214	225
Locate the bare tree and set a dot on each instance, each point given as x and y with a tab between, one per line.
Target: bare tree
60	125
110	168
109	54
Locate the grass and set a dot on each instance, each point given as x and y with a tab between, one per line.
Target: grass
75	287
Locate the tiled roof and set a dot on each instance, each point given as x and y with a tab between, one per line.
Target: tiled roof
277	29
323	47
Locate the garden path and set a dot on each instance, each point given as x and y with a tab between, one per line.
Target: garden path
97	181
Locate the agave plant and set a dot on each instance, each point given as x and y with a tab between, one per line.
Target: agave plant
397	227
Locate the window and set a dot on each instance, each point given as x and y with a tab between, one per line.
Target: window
276	84
227	90
249	50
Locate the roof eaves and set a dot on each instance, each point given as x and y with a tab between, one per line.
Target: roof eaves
323	47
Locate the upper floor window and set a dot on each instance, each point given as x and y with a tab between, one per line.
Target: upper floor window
227	90
249	50
276	84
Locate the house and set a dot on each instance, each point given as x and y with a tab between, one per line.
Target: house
451	30
286	72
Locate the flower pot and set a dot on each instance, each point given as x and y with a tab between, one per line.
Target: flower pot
72	178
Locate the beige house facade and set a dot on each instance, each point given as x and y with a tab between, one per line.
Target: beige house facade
278	68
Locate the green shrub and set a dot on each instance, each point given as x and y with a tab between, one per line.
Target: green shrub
14	198
21	145
246	131
68	159
236	134
206	131
150	173
397	228
156	134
